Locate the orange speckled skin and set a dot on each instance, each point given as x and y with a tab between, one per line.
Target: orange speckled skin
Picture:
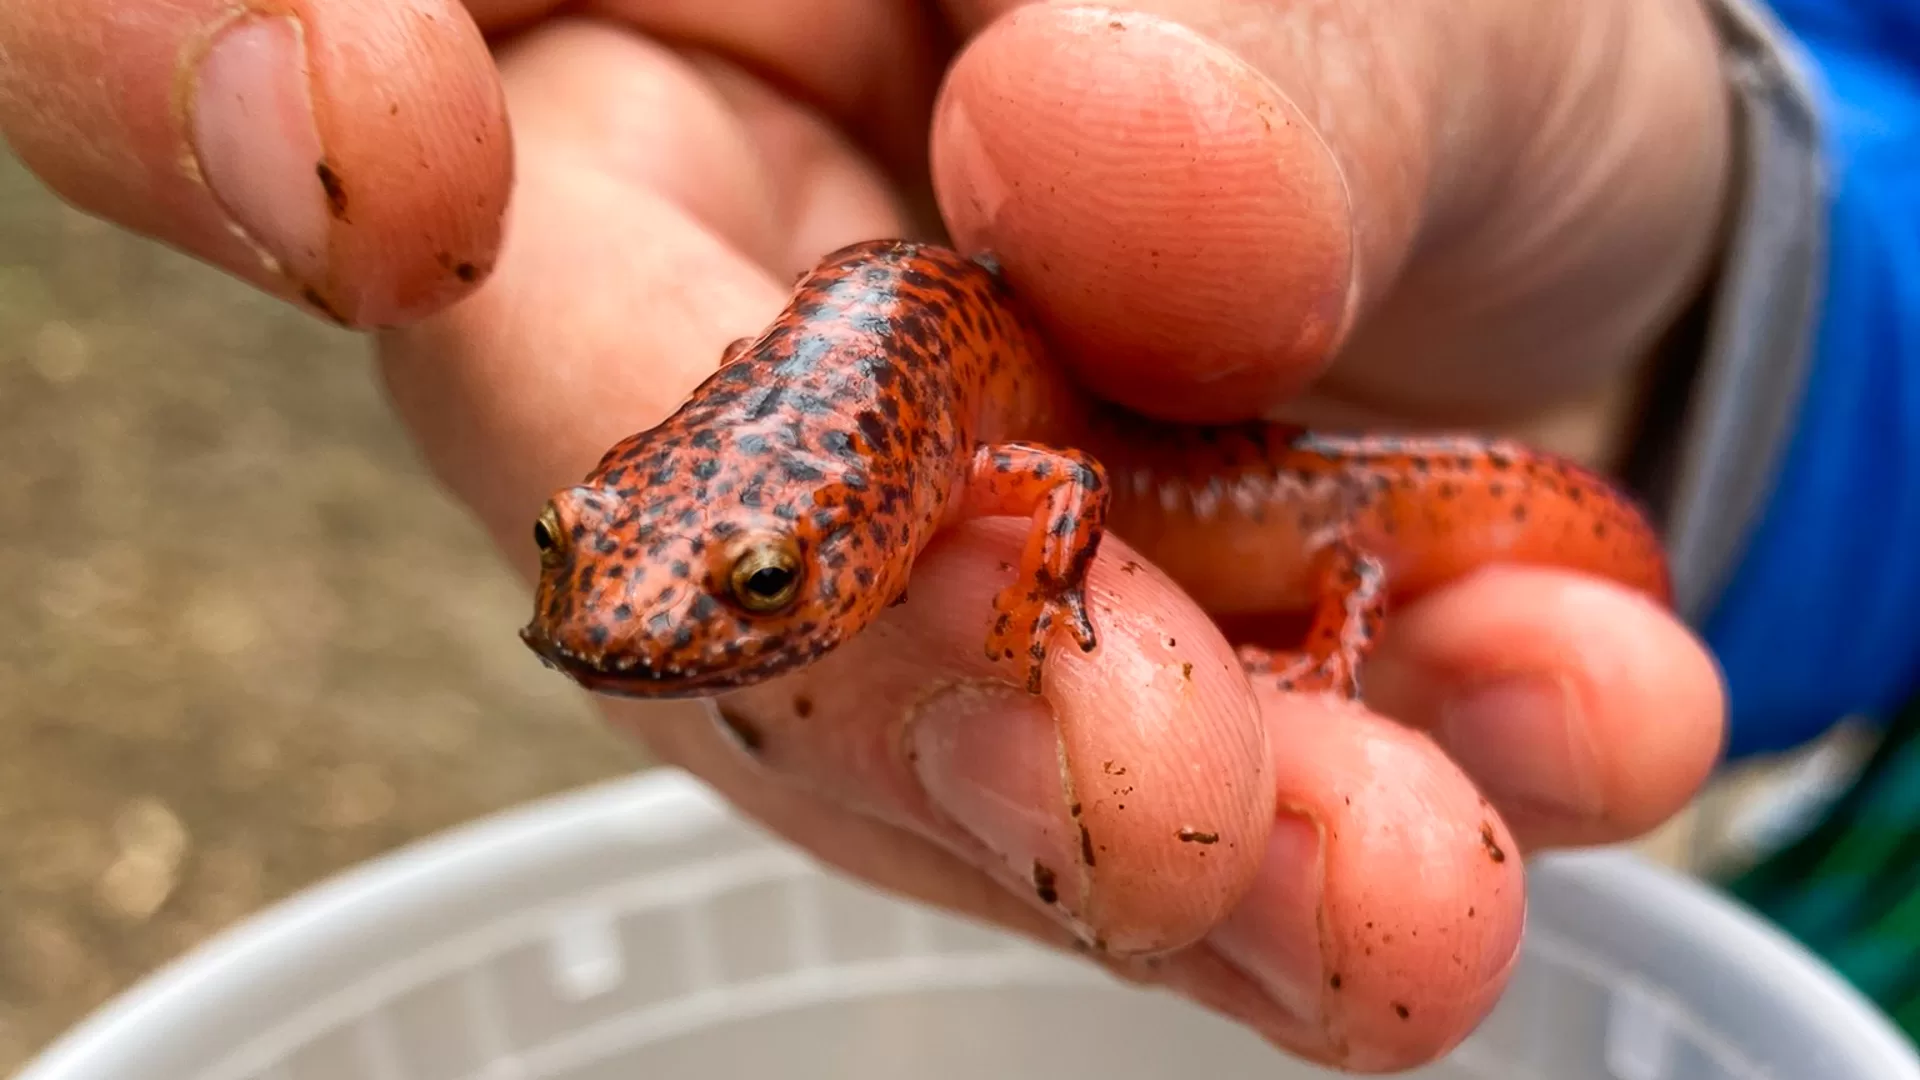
902	389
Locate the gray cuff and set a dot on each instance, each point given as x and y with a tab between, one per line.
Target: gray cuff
1764	309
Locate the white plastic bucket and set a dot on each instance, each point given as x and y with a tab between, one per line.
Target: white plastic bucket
639	929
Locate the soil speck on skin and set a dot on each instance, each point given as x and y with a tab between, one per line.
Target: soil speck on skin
1044	883
334	188
1491	843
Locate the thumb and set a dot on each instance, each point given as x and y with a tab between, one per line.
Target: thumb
349	154
1209	203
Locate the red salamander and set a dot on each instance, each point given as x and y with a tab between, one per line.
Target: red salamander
902	389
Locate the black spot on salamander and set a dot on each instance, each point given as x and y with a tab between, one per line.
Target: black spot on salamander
811	404
874	430
622	611
839	443
597	634
704	607
466	272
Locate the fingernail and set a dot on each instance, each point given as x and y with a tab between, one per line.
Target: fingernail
258	147
1274	935
964	170
989	758
1523	740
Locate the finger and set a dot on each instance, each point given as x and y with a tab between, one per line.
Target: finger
870	66
767	176
1132	801
1277	167
669	292
1587	714
352	155
1387	913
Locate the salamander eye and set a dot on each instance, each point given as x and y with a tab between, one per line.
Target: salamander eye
766	577
549	537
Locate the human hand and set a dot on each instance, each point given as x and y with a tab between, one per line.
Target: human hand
1353	211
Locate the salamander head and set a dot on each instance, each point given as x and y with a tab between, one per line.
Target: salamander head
677	596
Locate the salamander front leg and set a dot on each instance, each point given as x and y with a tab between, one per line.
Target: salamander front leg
1065	494
1346	622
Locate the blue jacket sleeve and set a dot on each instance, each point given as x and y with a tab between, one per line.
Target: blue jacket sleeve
1821	619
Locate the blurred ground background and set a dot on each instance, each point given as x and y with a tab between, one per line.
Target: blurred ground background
245	641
